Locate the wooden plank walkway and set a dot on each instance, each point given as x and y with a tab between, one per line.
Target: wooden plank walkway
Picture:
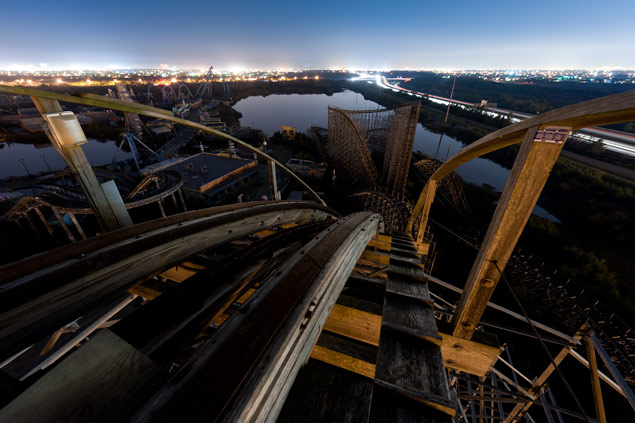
379	352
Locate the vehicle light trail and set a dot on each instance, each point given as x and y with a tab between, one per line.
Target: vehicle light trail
617	141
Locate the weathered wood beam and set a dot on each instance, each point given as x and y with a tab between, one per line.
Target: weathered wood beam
519	410
595	380
79	336
273	180
37	301
509	312
602	111
75	387
344	361
109	103
285	319
538	153
80	167
355	324
69	235
468	356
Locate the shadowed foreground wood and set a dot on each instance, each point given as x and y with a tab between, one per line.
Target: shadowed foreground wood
207	384
75	391
39	303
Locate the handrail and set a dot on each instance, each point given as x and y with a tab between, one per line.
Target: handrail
88	99
612	109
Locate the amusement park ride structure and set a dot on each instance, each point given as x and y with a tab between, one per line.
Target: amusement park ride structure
273	310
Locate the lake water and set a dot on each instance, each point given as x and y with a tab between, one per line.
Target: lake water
37	157
305	110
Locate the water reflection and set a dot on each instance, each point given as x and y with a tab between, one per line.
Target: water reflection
43	158
298	110
306	110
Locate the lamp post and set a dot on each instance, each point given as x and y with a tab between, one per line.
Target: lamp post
27	169
43	156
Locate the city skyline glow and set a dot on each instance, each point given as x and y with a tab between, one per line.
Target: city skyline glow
486	35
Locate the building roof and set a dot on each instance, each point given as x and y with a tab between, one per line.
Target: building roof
201	169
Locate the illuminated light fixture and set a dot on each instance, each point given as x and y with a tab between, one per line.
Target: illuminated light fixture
66	129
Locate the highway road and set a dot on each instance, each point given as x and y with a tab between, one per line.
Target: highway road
620	142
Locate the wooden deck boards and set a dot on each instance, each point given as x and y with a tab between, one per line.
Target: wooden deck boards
408	379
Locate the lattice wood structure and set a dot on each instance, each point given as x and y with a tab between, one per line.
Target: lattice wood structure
450	187
312	316
357	136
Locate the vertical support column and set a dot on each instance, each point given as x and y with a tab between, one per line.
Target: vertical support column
44	222
538	153
472	401
553	401
31	224
69	235
77	162
273	181
77	225
180	191
423	207
501	411
160	203
546	408
481	408
626	389
595	380
113	196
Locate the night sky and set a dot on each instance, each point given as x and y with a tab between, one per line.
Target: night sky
324	34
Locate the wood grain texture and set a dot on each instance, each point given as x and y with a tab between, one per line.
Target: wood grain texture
355	324
412	364
467	356
526	180
398	285
375	286
39	303
264	392
410	369
103	381
344	361
206	385
367	305
108	103
323	394
616	108
410	316
388	406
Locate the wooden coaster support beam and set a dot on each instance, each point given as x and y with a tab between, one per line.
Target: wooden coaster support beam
88	99
68	146
595	380
616	108
538	153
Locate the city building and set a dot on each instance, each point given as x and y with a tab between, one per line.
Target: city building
207	174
